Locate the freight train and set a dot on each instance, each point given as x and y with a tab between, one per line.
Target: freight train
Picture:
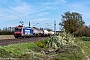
21	31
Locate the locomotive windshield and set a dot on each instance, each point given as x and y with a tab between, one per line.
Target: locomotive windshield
18	29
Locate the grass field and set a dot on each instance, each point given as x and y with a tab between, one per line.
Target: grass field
86	46
37	51
84	43
7	37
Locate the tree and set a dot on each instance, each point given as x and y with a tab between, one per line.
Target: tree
9	28
71	21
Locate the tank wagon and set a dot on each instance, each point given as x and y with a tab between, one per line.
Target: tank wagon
21	31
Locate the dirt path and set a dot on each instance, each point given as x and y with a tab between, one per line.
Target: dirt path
6	37
85	55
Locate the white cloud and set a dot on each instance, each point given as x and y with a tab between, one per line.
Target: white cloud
4	1
43	13
53	2
18	1
82	9
23	8
40	19
26	9
77	6
86	15
13	13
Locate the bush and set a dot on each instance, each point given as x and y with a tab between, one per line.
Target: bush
85	39
42	43
61	40
6	33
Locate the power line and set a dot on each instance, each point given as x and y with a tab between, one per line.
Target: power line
6	17
10	8
14	11
10	13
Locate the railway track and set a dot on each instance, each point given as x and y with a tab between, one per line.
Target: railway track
6	42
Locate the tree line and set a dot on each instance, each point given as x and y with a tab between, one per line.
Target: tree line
7	31
72	22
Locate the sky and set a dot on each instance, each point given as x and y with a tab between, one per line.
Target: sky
44	12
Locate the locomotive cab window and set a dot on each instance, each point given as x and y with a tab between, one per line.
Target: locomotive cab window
18	29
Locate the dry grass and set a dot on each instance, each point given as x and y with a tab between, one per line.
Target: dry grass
7	37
